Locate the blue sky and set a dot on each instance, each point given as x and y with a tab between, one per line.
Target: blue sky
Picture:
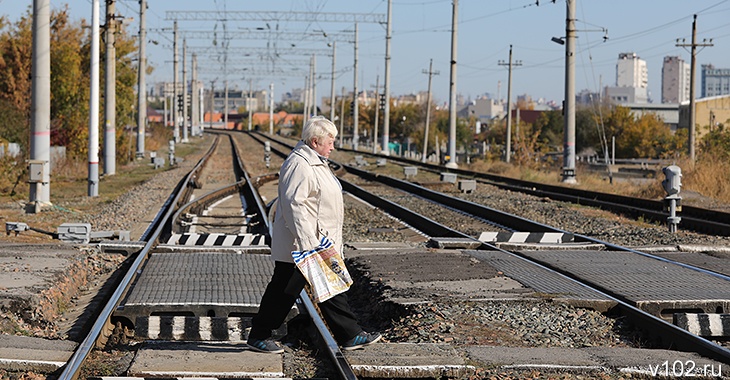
421	31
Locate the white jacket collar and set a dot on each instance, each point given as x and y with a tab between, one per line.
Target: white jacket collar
306	152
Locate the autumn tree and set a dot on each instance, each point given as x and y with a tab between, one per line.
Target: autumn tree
70	66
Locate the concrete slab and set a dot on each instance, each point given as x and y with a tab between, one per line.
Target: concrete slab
598	360
184	359
35	354
408	360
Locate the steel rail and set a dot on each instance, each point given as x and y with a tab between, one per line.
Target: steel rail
73	366
671	335
693	218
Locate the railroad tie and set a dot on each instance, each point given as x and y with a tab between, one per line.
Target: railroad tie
705	325
231	329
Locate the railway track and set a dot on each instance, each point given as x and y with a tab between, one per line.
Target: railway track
646	314
199	203
222	200
696	219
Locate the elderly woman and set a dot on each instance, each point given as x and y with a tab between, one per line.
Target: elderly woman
309	206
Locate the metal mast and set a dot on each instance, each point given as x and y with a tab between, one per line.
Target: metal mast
332	86
430	73
93	186
508	138
175	81
452	89
141	78
569	107
693	67
355	112
40	115
386	88
110	93
184	92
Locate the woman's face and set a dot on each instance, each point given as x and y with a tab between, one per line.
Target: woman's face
323	146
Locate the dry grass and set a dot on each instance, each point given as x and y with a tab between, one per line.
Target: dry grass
708	178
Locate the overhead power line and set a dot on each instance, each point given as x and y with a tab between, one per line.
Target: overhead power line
373	18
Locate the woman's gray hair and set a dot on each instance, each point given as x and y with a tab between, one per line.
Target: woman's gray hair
317	128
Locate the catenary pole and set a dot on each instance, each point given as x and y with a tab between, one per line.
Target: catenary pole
110	134
569	107
430	73
93	186
185	91
332	85
194	93
377	116
355	112
271	108
342	114
313	84
248	105
142	81
40	115
386	86
175	84
452	88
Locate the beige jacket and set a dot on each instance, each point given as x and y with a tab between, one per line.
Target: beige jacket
309	205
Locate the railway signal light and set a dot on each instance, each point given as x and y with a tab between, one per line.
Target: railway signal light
382	101
673	181
672	185
352	108
180	102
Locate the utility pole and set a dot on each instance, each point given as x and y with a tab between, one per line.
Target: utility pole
93	186
355	112
185	91
175	81
452	88
693	66
430	73
141	81
332	86
40	116
110	93
386	88
569	106
225	106
508	140
377	116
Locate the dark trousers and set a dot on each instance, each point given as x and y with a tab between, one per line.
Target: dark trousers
281	293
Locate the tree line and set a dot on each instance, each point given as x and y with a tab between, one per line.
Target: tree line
70	81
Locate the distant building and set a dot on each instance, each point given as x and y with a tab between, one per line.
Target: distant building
710	112
238	99
668	112
632	80
485	110
715	82
675	80
587	97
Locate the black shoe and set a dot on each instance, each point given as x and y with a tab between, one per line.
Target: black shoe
266	346
361	340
